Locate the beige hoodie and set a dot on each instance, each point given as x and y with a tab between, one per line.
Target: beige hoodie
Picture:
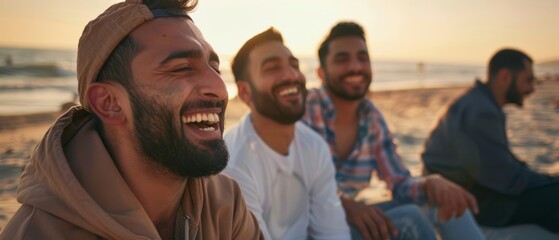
71	189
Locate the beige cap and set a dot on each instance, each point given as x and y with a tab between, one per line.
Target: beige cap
102	35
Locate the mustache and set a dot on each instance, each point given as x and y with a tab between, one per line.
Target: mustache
204	104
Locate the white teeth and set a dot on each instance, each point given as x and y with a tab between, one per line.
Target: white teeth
208	129
199	117
354	79
287	91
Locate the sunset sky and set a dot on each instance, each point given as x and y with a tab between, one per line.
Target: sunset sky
462	31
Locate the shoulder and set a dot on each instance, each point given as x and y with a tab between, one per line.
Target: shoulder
32	223
237	140
313	149
309	137
476	100
235	132
316	102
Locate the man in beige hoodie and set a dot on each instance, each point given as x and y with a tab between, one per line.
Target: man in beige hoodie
139	159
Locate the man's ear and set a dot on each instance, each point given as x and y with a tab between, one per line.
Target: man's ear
504	77
244	92
321	74
104	99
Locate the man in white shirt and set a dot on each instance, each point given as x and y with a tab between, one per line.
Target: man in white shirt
283	167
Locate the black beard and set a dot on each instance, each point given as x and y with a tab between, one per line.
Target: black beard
162	142
269	107
512	95
342	94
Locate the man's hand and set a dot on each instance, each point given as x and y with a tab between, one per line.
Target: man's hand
451	199
370	221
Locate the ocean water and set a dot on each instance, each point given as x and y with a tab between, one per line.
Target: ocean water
40	80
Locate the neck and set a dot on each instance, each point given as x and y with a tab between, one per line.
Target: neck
499	93
160	196
346	110
277	136
158	191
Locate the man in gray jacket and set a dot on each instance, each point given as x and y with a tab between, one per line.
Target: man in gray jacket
470	146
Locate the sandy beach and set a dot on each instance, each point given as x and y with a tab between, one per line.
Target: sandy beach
533	132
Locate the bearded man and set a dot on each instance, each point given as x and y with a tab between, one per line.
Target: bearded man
281	165
470	146
139	159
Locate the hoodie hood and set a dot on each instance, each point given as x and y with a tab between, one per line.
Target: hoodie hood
71	189
72	176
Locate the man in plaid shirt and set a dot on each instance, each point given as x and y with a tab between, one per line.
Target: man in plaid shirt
361	144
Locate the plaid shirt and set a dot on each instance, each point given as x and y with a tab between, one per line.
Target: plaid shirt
374	150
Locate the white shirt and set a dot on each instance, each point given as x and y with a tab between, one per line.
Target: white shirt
292	196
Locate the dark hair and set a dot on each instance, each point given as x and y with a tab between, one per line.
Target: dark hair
508	58
183	5
240	60
117	66
342	29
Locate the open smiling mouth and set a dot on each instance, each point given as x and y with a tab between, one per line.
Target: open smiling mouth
289	91
354	79
207	122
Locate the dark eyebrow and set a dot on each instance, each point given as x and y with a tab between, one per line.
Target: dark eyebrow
182	54
365	52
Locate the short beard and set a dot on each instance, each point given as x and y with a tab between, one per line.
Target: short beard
342	94
270	107
164	145
513	95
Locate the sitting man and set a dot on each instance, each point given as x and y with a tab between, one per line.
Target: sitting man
470	146
281	166
136	161
361	144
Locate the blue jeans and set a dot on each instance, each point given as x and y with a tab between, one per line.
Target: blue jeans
409	220
465	227
413	222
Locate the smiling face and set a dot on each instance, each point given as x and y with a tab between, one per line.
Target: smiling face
178	99
276	83
347	73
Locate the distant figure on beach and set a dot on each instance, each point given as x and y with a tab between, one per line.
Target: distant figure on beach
140	159
9	62
420	68
470	146
282	166
361	144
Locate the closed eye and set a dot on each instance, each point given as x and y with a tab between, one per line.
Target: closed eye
215	66
181	69
272	68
